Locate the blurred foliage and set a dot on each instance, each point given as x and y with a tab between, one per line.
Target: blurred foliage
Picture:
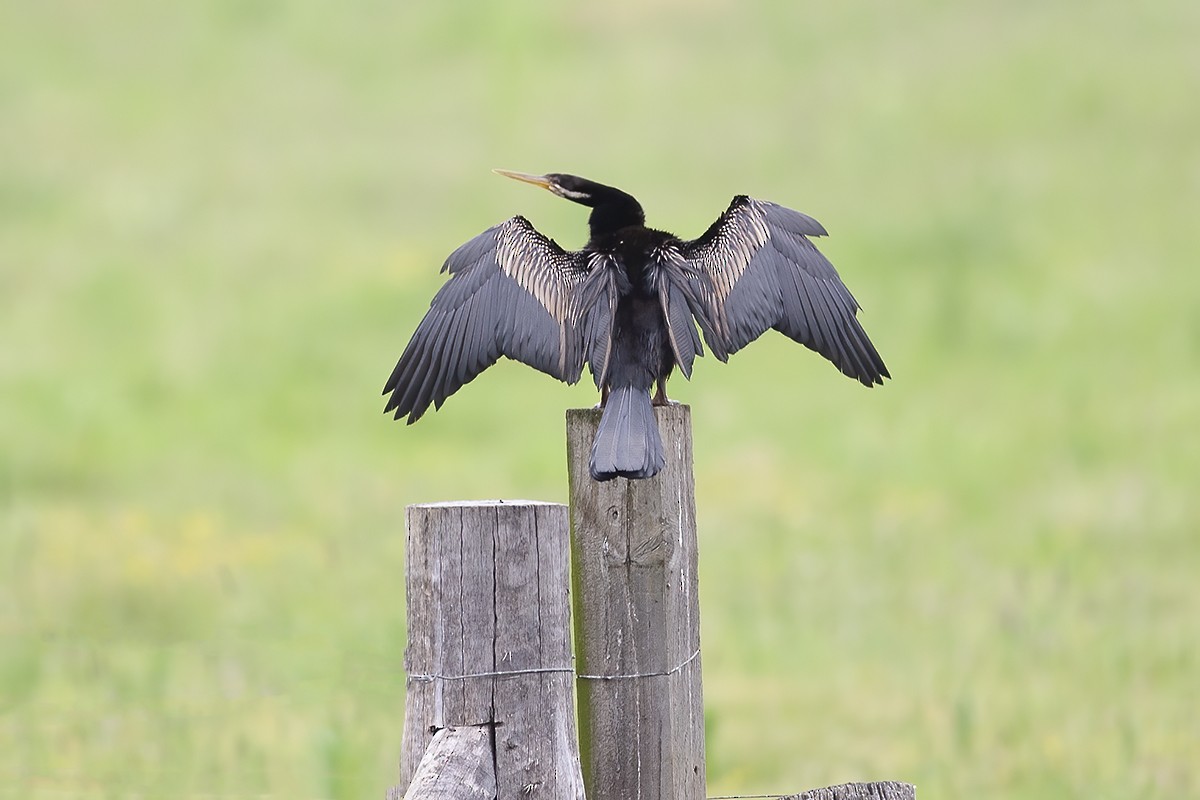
219	222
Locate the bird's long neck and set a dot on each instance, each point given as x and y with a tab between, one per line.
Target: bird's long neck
614	210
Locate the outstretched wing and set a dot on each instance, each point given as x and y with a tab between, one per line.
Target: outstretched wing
755	269
512	292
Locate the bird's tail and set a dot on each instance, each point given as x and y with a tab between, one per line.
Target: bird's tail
627	442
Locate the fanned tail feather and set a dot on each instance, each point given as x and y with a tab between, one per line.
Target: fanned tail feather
627	442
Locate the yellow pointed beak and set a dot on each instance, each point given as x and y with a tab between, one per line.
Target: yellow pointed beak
525	177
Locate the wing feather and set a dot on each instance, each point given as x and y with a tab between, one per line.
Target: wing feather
755	269
670	277
512	292
598	303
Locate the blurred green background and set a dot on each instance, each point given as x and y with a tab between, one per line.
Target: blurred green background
219	223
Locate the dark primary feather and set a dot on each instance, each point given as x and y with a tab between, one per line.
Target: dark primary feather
512	292
598	297
672	280
755	269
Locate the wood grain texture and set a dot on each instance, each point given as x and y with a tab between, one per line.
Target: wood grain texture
457	765
881	790
488	592
636	612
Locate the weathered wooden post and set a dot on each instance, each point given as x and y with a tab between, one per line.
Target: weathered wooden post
880	790
490	711
637	620
489	647
459	764
637	627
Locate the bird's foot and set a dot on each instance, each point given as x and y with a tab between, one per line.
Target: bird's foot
660	394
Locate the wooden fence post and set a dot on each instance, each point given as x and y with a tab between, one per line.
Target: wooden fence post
489	642
458	764
490	711
880	790
637	620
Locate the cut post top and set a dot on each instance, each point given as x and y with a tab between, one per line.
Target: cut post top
483	503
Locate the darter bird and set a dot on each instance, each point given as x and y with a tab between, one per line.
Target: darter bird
627	304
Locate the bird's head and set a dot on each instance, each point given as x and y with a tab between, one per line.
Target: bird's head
568	187
612	208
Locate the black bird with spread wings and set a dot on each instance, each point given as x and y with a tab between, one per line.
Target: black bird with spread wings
627	304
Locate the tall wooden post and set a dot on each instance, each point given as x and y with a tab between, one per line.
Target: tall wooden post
637	620
489	646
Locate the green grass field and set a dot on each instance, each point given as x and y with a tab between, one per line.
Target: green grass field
220	222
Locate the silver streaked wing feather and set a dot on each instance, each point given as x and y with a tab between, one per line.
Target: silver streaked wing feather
755	269
512	292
